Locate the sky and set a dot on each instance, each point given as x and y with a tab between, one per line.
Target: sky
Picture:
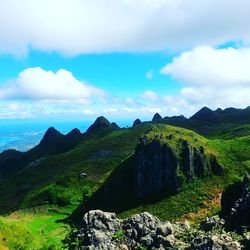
79	59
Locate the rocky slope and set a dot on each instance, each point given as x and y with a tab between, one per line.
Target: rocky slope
101	230
236	205
165	159
143	231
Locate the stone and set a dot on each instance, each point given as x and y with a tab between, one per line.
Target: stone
201	243
147	241
100	231
165	229
235	203
211	222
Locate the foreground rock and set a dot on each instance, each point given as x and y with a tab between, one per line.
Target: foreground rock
101	230
235	205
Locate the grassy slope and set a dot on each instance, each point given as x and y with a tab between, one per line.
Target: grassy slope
35	228
120	179
57	181
202	197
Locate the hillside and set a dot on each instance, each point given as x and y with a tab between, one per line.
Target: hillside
127	165
166	159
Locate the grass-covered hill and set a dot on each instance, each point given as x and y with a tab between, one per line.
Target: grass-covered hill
42	199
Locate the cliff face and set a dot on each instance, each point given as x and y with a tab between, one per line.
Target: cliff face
161	168
165	159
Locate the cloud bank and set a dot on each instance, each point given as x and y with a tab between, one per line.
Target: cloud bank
39	84
74	27
213	77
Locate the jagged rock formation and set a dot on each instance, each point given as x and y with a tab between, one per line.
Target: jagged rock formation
235	203
100	124
102	230
161	168
156	118
136	123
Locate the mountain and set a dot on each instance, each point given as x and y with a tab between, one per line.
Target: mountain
232	115
101	124
172	172
205	115
156	118
165	159
52	143
136	122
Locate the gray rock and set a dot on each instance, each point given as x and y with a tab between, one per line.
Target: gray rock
104	231
235	204
165	229
160	168
225	242
212	222
202	243
147	241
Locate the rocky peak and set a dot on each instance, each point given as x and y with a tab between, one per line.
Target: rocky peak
157	117
204	114
51	134
73	132
136	122
115	125
100	123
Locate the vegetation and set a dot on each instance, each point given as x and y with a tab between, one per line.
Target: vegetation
41	204
34	228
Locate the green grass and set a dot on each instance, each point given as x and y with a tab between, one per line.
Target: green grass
45	196
35	228
202	197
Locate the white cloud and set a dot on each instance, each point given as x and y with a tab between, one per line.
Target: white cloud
150	74
149	95
88	112
38	84
209	66
93	26
213	77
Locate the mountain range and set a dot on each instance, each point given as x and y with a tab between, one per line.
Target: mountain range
172	167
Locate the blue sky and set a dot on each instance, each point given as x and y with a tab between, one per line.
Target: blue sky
114	72
121	58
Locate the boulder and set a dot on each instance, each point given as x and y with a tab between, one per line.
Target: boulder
235	203
101	230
